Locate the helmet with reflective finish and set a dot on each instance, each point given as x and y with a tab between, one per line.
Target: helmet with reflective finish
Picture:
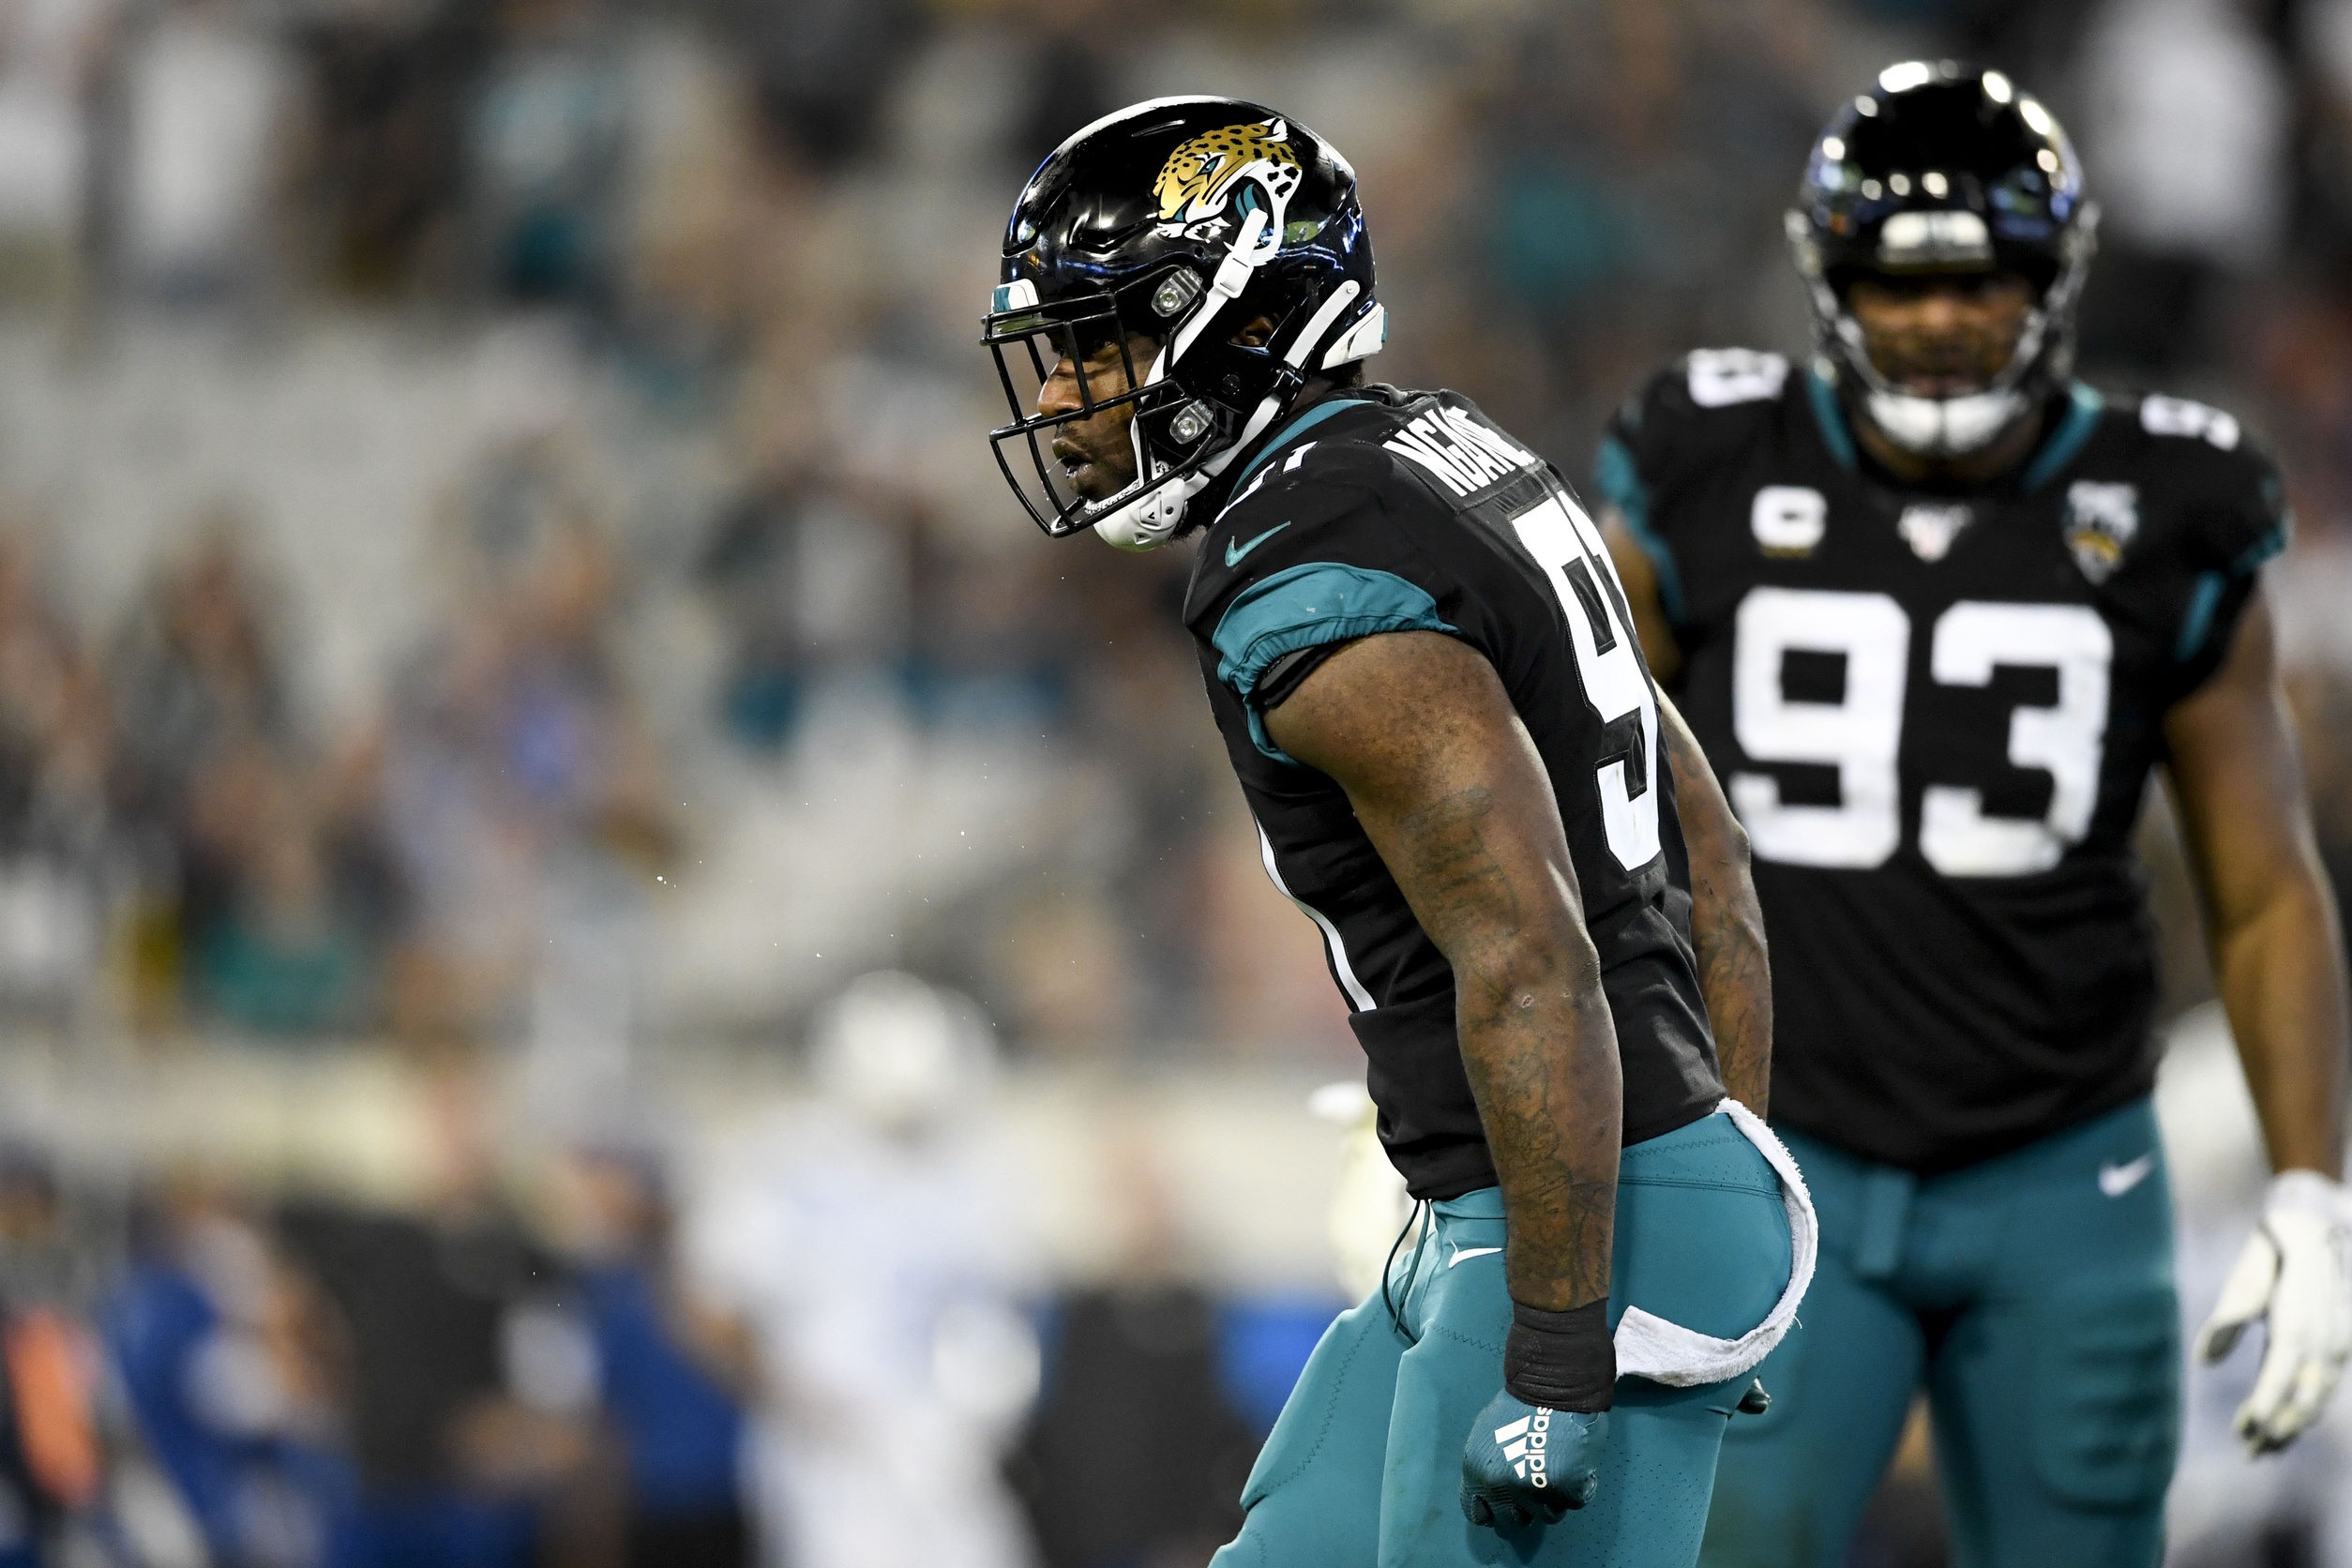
1181	220
1944	168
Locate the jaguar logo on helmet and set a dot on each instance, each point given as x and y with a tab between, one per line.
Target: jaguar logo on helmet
1197	182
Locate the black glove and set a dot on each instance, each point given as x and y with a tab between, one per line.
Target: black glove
1535	1450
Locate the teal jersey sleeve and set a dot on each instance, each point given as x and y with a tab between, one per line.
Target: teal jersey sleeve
1317	554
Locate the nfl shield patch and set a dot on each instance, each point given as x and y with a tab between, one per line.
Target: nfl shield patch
1929	527
2101	520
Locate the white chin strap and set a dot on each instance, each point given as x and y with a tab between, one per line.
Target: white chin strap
1943	427
1151	519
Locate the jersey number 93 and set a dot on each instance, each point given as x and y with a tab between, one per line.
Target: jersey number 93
1861	735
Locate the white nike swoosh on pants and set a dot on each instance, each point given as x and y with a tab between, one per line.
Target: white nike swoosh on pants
2117	1180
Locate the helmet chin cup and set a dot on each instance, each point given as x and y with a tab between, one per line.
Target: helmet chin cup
1151	519
1944	426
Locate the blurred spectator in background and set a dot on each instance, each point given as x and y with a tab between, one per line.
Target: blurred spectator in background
525	797
665	1398
205	86
2301	347
2186	116
277	897
1135	1452
52	53
54	1437
545	153
473	1376
821	68
296	899
383	138
810	583
1627	159
198	671
872	1257
56	740
234	1367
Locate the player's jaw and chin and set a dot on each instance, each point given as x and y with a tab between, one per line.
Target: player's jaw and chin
1942	335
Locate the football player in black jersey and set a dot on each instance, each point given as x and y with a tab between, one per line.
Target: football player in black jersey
1937	610
1424	673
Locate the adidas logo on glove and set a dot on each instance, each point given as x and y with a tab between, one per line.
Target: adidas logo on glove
1523	1443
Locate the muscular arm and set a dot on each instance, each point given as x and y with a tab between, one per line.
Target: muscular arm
1726	923
2271	921
1417	729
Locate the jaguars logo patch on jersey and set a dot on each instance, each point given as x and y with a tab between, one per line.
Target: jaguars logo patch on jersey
1198	182
2101	520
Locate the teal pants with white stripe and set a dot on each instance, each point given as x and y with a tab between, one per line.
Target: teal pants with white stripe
2031	1296
1364	1466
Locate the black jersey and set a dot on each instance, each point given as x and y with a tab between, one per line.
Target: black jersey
1935	715
1381	511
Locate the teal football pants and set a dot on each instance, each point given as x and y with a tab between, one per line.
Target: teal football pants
1364	1466
2032	1297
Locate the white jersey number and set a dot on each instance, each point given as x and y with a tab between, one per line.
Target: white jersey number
1861	735
1858	735
1563	540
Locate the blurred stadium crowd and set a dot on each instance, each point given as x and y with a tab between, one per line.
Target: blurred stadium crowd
502	586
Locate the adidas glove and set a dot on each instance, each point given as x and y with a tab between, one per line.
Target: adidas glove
1534	1452
2295	1276
1529	1464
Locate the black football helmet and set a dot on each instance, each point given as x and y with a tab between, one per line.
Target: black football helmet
1944	168
1182	220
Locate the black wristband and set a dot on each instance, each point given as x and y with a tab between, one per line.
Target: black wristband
1563	1359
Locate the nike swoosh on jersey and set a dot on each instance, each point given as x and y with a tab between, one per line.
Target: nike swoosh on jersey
1462	1252
1234	551
2117	1180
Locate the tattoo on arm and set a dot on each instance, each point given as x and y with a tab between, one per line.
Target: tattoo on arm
1553	1134
1417	729
1554	1140
1454	872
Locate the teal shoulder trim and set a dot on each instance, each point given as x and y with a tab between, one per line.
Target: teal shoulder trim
1292	431
1304	606
1831	418
2083	408
2205	598
1615	475
2270	544
2198	624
